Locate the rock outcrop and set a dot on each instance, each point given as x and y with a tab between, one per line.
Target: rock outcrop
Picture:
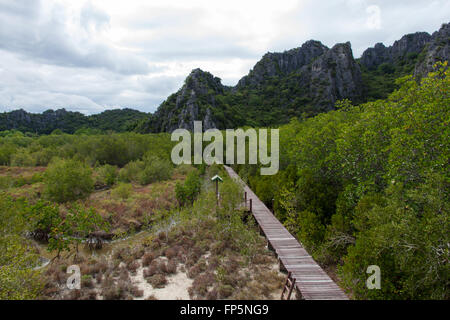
438	49
275	64
335	75
412	43
193	101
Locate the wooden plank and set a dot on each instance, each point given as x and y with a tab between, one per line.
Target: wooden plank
309	278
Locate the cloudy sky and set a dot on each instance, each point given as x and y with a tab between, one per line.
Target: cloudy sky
89	56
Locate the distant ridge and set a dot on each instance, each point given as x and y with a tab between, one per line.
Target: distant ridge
69	121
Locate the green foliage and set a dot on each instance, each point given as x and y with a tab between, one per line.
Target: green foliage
122	190
81	222
67	180
150	169
18	279
188	191
108	174
43	219
380	82
367	185
154	169
70	122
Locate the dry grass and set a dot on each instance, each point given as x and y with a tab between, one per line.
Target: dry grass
216	265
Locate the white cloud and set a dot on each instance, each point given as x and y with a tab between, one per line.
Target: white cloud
374	17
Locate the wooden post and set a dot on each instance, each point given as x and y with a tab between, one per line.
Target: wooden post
216	178
217	192
250	204
245	199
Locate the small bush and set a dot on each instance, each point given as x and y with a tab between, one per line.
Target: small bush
122	190
171	253
130	172
133	266
147	259
68	180
108	174
148	170
187	192
86	281
172	266
197	269
157	280
224	291
136	292
154	169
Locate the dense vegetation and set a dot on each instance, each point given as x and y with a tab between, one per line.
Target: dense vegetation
369	184
362	185
379	82
61	120
57	205
58	209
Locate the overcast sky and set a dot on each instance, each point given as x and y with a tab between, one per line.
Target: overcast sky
90	56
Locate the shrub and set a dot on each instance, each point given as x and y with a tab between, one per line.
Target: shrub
68	180
148	170
108	174
122	190
187	192
130	173
155	169
147	259
157	280
172	266
18	279
23	159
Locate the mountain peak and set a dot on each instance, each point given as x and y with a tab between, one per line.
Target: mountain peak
412	43
283	63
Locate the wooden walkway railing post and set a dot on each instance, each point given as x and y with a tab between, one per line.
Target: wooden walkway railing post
245	199
311	282
288	286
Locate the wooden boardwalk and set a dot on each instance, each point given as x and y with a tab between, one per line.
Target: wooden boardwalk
311	281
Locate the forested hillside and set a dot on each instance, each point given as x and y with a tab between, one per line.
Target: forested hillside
368	184
119	120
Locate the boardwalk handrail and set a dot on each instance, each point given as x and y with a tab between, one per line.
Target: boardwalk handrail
310	280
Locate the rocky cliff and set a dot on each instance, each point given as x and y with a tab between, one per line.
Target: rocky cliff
194	101
409	44
281	85
437	49
276	64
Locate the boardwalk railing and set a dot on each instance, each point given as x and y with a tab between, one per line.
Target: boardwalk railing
311	282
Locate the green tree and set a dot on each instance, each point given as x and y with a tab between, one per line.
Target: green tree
68	180
18	278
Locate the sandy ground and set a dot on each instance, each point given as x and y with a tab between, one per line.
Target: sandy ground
175	289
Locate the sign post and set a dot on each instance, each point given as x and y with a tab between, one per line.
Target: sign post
216	178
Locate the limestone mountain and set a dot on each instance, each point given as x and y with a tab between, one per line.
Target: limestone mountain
304	80
438	49
194	101
414	53
300	82
411	44
275	64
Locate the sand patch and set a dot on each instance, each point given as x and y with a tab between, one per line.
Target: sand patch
176	288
